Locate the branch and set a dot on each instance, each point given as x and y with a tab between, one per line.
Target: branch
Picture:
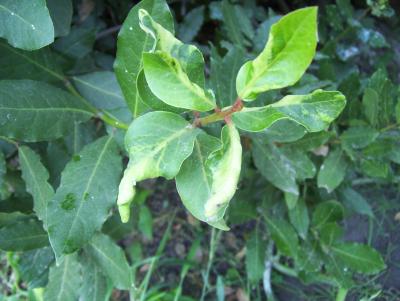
219	115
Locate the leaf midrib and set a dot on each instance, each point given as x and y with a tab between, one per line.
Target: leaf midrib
19	53
97	88
87	187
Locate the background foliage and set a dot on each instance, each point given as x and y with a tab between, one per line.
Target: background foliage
61	78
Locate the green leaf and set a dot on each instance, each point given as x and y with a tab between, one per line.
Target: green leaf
397	113
34	266
191	24
342	276
36	179
359	137
332	171
193	189
101	89
255	256
110	257
382	101
327	212
174	86
289	51
355	201
308	258
330	233
95	285
183	66
149	99
3	169
375	168
78	43
132	41
237	34
300	161
284	130
312	141
298	217
64	280
157	143
223	74
42	64
145	224
370	103
87	192
26	24
358	257
35	111
23	235
314	111
284	236
274	166
61	14
225	166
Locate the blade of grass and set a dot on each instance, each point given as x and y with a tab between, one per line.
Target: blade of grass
186	267
140	292
215	235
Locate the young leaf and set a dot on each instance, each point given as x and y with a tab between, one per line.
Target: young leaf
149	99
332	171
111	259
101	89
34	266
255	256
23	235
157	143
36	179
26	24
284	236
314	111
28	108
292	42
132	41
64	280
182	67
87	192
361	258
171	84
327	212
188	57
274	166
194	179
225	165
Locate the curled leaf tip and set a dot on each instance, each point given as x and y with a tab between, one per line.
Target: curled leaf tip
126	194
